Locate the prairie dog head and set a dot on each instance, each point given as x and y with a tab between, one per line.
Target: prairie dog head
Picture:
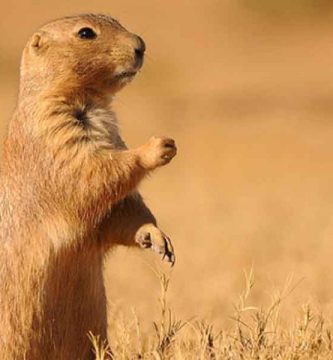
87	52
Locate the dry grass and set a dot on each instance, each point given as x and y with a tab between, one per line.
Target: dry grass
256	333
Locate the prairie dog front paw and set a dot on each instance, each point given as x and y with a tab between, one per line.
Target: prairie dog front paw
157	152
151	237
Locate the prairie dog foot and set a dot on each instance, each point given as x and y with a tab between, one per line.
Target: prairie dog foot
158	151
151	237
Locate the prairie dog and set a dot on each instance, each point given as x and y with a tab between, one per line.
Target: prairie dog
68	187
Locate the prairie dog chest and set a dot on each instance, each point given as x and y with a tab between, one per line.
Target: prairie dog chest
100	125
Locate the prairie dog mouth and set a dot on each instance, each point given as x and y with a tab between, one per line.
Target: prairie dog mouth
122	78
125	74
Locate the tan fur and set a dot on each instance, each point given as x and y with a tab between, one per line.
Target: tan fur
67	189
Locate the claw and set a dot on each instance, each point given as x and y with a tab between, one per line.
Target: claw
168	251
172	260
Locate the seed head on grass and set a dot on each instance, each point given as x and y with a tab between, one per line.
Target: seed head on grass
101	349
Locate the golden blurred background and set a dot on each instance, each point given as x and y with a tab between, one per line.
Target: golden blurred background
246	89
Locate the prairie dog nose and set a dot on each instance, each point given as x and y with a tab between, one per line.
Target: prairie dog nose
140	47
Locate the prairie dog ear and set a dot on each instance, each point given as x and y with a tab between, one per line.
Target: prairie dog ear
39	42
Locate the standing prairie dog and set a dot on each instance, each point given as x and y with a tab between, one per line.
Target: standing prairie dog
68	188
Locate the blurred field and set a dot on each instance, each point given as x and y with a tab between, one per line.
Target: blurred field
246	89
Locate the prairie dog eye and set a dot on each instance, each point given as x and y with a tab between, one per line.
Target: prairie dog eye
86	33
